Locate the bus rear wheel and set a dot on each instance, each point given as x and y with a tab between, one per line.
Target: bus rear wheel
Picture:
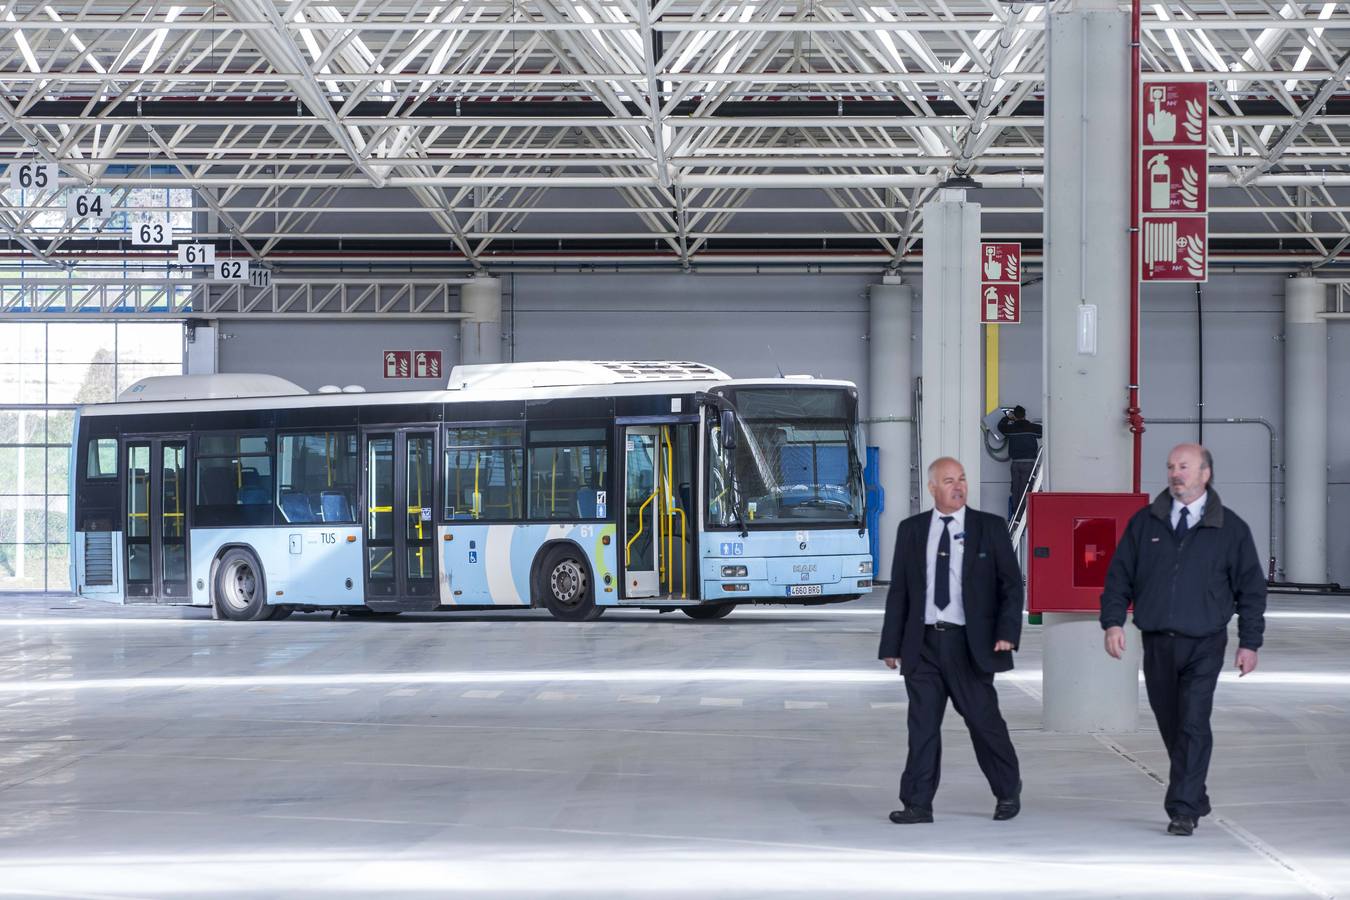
566	587
711	611
240	588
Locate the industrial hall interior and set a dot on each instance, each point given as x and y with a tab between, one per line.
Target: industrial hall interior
674	449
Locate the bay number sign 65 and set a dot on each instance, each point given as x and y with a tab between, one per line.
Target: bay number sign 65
33	176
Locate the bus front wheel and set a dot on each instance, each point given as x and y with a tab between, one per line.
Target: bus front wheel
240	588
566	587
711	611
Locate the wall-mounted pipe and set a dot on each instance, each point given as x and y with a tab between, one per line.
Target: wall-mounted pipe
1134	415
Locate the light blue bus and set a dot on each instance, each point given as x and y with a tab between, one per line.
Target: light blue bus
571	486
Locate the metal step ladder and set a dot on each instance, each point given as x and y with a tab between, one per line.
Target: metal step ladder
1017	526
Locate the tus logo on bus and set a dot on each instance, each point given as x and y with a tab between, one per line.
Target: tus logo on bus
732	549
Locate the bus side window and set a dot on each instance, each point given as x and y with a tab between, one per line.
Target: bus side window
102	459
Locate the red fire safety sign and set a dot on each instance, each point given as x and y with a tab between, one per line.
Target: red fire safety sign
397	364
1000	283
426	364
1176	113
1174	182
1175	248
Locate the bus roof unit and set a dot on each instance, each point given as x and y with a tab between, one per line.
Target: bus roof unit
509	376
209	387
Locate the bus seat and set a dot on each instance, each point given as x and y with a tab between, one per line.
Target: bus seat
295	506
334	506
586	502
251	491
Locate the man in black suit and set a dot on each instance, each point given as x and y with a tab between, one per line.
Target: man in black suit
953	619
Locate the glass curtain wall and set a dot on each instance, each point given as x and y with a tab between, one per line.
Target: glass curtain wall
46	370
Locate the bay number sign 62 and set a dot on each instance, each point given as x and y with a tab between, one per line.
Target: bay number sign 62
231	270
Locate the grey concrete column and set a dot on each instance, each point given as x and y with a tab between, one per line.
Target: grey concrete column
199	357
953	378
1088	446
1305	432
890	396
480	335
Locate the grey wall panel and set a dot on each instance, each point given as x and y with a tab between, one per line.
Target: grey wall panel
318	353
746	325
1243	321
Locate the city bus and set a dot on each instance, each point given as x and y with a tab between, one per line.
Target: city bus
575	487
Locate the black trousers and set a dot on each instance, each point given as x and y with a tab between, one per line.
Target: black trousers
1180	674
945	671
1020	472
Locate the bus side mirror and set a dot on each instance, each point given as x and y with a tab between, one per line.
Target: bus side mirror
728	430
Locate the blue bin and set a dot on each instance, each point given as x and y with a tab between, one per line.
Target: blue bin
876	502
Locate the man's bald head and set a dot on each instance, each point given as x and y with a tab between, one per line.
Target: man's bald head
947	484
1189	470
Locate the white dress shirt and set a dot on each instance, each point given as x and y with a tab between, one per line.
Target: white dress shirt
955	611
1194	511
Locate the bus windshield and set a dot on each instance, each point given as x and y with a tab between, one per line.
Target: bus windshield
796	460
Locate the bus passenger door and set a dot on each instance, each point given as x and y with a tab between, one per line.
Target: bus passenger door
400	530
641	512
155	524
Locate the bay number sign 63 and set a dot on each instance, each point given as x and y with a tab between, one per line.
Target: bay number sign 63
151	229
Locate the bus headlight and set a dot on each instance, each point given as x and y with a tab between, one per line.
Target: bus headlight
865	567
735	587
734	572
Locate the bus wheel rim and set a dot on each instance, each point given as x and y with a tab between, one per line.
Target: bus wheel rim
240	585
568	583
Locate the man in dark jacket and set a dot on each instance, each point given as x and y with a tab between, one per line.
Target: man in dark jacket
953	619
1024	443
1186	563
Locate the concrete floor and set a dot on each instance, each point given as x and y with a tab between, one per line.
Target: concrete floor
156	753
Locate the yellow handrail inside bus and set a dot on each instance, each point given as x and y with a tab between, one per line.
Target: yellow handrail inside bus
663	483
415	461
477	505
642	523
684	555
684	523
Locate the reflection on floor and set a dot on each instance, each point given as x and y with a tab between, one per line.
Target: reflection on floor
156	753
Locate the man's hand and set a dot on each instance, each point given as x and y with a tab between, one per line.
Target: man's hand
891	662
1000	646
1246	661
1115	641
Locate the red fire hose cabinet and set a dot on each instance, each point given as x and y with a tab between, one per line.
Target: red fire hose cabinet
1071	538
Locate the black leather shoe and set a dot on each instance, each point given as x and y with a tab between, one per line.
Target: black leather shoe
912	815
1183	826
1008	807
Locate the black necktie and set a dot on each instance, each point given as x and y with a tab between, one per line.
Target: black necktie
1181	529
942	575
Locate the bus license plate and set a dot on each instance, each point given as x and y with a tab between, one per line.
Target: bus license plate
803	590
